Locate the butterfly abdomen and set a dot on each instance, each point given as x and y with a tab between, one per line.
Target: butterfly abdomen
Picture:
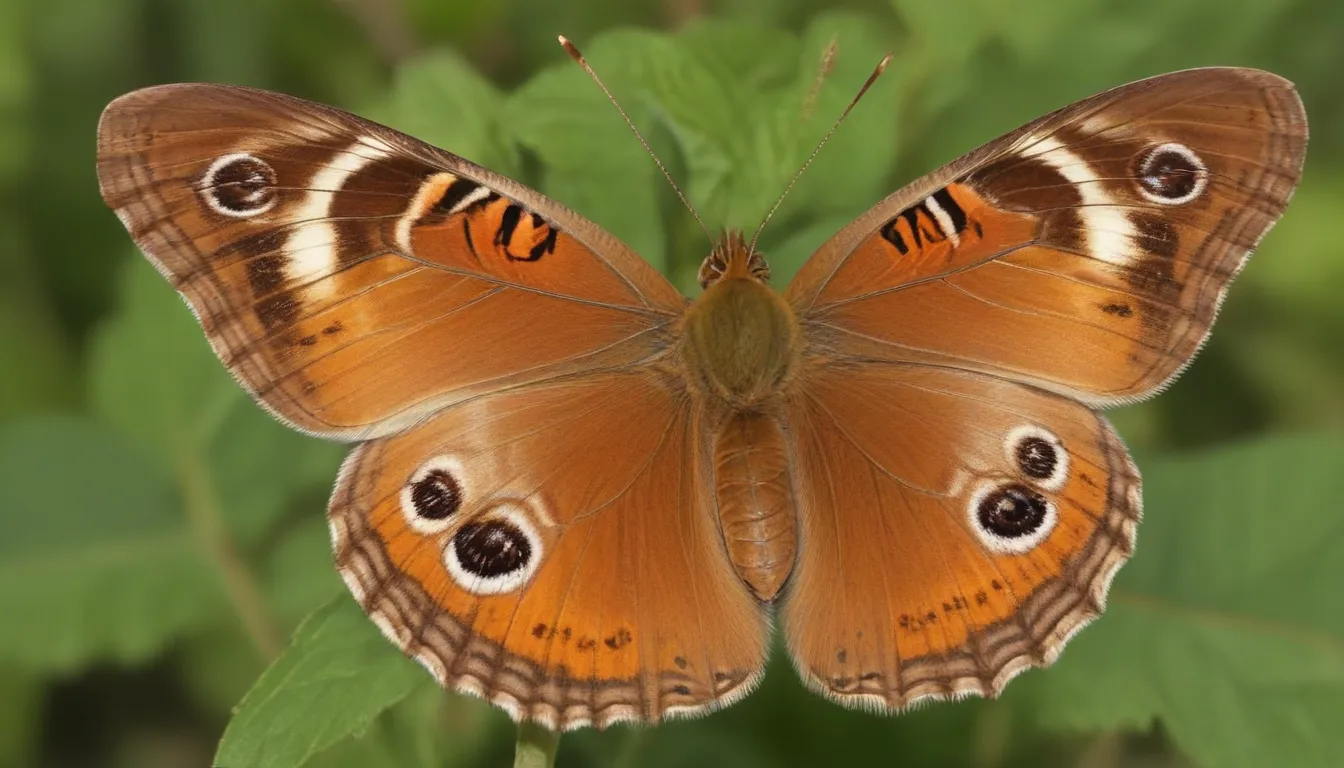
755	500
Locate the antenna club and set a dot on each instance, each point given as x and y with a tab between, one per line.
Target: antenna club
570	48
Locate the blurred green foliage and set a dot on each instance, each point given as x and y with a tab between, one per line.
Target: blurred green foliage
163	537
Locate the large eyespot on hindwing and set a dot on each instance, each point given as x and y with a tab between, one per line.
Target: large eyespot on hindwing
1011	518
496	553
433	495
1039	455
1170	174
239	185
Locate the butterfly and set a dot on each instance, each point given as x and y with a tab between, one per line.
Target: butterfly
586	498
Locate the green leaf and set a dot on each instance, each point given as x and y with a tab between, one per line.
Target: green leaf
299	573
592	162
947	32
700	744
429	728
297	576
785	724
1304	270
154	376
259	466
441	99
17	94
733	148
21	713
1033	28
789	252
854	170
1227	625
217	667
151	373
224	45
749	57
336	676
38	363
707	110
96	560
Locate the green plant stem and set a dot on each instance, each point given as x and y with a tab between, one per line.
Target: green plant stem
536	746
631	749
204	513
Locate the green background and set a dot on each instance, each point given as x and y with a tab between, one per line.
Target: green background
163	543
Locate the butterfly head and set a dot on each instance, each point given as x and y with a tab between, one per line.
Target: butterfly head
731	257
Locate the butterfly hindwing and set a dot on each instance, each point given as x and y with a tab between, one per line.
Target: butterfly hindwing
958	528
554	549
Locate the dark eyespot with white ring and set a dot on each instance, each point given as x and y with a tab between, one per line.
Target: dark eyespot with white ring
492	548
1011	518
433	495
496	553
1171	174
1012	512
1038	455
239	185
436	496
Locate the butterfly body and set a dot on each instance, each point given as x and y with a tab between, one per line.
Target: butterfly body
754	494
586	498
741	341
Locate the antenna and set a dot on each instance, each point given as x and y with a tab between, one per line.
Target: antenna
881	65
578	58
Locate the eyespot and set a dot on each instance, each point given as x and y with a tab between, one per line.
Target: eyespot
239	185
1039	455
1171	174
433	495
1011	518
495	554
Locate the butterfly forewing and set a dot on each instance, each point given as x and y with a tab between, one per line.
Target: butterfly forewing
354	279
1086	253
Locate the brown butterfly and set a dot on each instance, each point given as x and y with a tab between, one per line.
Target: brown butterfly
584	497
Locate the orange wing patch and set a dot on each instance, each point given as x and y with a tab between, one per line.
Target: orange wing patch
958	530
952	229
458	223
606	594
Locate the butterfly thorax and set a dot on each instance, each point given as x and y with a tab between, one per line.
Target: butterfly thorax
741	337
